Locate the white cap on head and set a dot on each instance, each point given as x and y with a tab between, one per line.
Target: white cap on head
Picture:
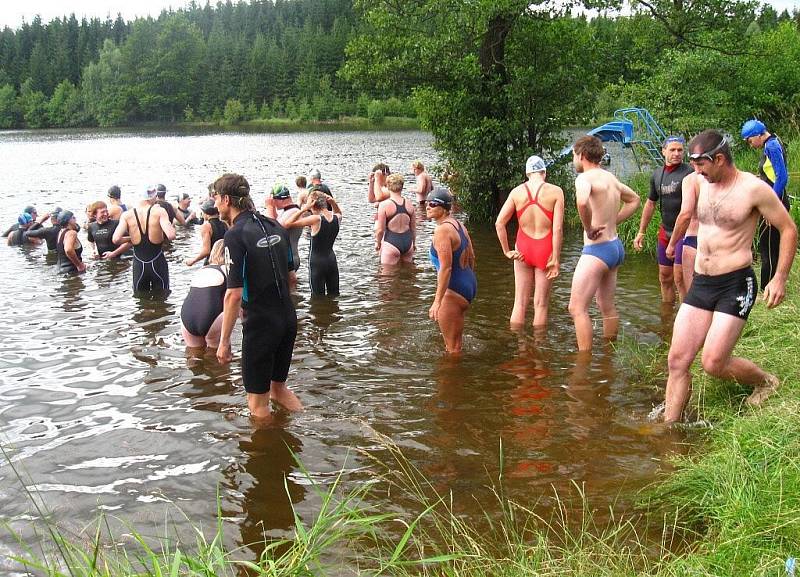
535	164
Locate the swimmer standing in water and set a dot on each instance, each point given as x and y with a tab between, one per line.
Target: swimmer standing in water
396	227
201	313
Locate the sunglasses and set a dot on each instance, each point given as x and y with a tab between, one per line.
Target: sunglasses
694	157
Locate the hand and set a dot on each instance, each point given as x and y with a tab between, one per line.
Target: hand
593	233
552	268
371	177
106	255
189	262
638	242
97	256
774	293
269	201
433	313
224	352
81	267
670	251
514	255
377	247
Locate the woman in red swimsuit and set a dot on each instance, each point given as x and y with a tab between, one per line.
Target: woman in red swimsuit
539	208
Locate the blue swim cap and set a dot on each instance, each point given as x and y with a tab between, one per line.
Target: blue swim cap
753	128
24	218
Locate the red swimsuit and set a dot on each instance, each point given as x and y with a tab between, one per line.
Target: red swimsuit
536	251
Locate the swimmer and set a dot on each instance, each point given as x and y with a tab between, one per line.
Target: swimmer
324	221
396	230
115	207
665	189
280	206
182	209
259	256
424	182
301	188
201	313
26	222
539	208
172	214
211	231
686	226
598	194
49	233
453	258
101	231
150	270
714	312
377	191
68	247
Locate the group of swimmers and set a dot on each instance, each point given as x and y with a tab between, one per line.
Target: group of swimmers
709	213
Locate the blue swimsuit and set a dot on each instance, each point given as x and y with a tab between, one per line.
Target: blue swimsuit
462	280
610	252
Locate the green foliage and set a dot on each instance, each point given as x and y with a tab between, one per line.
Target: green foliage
234	111
375	112
65	107
104	94
10	113
34	106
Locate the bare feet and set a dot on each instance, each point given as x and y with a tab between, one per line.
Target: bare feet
279	393
763	391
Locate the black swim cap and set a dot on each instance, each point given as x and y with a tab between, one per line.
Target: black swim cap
209	208
64	217
440	197
114	192
30	210
55	212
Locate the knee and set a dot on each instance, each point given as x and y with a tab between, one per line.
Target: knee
714	365
678	362
665	275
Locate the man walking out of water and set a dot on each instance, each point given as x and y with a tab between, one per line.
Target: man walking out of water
259	258
424	182
598	194
665	189
147	225
723	291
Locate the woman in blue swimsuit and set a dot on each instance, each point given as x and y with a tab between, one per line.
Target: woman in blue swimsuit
454	259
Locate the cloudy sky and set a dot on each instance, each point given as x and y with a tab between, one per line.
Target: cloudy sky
13	11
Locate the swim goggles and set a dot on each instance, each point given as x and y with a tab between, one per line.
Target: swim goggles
694	157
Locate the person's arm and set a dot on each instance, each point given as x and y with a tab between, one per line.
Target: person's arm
295	221
630	202
502	233
380	226
205	244
232	306
583	190
109	254
379	190
647	216
334	207
688	204
269	208
774	152
443	246
179	215
121	232
776	214
371	188
554	262
70	238
166	225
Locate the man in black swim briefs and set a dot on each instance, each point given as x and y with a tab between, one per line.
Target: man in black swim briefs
724	289
259	258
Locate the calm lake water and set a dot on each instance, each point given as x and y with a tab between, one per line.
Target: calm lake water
102	408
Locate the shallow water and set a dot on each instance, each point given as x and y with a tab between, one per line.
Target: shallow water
101	407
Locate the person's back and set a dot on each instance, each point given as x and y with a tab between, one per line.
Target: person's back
534	207
604	201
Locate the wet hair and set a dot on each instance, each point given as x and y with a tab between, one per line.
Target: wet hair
418	165
709	140
300	182
95	206
394	182
217	255
235	187
590	148
381	167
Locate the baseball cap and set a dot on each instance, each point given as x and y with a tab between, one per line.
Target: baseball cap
753	128
114	192
535	164
280	191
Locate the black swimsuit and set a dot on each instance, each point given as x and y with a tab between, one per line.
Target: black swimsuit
218	229
323	270
401	240
203	305
64	264
150	270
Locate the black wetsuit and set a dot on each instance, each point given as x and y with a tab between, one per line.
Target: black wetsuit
19	237
260	260
100	235
150	270
169	208
323	270
64	264
401	240
665	188
203	305
218	229
49	234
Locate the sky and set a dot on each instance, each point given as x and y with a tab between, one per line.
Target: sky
13	11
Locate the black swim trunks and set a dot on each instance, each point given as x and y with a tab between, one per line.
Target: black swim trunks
732	293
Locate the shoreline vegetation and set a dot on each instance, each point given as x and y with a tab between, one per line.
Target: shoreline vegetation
729	507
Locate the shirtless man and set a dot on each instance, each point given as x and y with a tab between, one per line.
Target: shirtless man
424	182
598	194
684	236
147	225
395	227
539	208
724	287
115	206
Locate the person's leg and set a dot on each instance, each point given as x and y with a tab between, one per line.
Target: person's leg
677	270
332	280
666	280
606	293
689	254
389	253
718	362
768	247
688	334
213	334
541	297
258	403
588	274
278	391
523	284
192	341
451	320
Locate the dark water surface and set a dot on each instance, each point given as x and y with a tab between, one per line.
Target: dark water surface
101	407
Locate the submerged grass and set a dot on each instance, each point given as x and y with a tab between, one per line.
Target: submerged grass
731	507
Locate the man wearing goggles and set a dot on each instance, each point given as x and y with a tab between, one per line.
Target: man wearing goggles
723	291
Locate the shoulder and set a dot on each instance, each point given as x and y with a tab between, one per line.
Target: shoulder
553	191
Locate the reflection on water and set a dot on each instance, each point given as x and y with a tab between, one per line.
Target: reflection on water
102	405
